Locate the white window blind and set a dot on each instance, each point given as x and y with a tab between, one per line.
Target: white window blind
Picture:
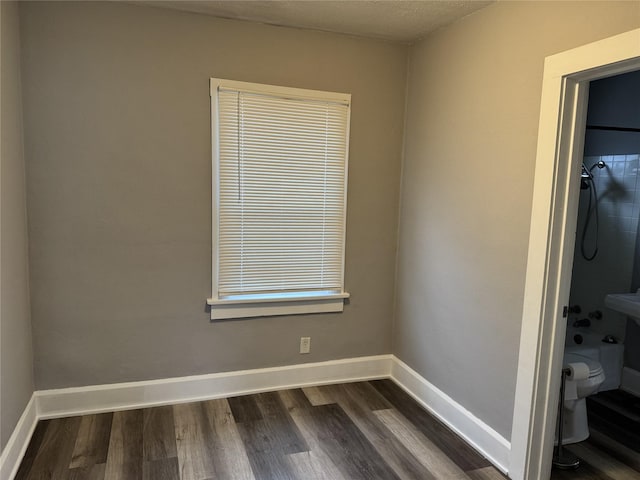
281	196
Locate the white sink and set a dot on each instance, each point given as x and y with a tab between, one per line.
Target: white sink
627	303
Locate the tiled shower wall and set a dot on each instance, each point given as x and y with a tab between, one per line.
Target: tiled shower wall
611	271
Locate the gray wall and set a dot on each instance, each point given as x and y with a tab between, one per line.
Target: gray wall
116	104
16	367
471	132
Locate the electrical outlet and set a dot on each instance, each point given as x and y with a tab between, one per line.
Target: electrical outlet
305	344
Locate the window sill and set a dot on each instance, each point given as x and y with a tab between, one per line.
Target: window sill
271	305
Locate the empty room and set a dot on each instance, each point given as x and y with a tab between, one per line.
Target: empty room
320	240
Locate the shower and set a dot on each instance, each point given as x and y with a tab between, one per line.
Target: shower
588	183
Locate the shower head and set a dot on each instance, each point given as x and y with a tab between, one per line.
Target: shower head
586	174
599	164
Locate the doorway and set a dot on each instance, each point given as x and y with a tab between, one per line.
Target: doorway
607	439
551	243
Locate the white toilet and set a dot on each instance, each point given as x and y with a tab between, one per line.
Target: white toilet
576	427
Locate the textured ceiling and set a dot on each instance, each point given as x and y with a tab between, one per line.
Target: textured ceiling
398	20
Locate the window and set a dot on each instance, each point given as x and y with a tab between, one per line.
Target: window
279	199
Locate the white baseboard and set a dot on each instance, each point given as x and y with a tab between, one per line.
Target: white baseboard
18	442
478	434
630	381
122	396
67	402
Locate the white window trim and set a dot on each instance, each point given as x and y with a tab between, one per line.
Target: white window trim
246	306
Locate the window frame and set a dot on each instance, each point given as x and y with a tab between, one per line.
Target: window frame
245	306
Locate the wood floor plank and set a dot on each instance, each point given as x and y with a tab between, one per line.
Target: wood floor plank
317	397
615	449
316	453
294	398
193	438
438	463
161	469
619	402
312	466
444	438
124	459
32	449
343	443
367	395
584	472
266	459
92	442
270	404
158	434
245	408
390	448
487	473
56	449
276	416
270	438
229	455
615	426
603	462
92	472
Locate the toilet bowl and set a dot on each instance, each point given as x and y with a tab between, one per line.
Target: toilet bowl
576	426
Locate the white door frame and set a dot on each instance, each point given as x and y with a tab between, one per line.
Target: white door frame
551	242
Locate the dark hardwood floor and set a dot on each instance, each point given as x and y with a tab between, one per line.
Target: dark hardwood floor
365	430
612	451
601	458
